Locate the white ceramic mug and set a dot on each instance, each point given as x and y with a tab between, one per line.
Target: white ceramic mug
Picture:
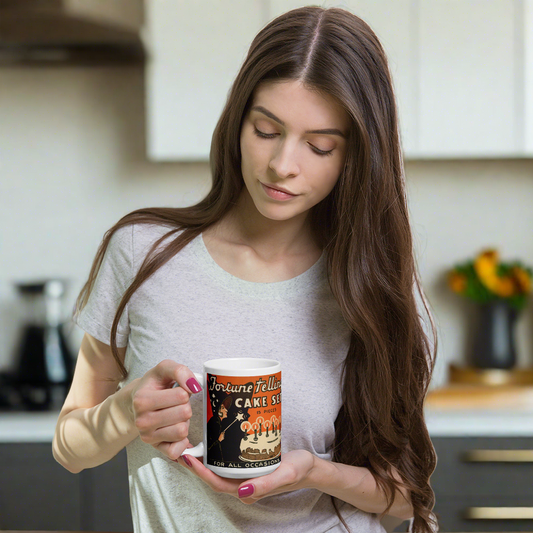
242	417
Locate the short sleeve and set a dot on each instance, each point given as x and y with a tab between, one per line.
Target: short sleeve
113	278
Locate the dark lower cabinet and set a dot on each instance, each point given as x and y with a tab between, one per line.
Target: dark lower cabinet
36	493
480	482
472	473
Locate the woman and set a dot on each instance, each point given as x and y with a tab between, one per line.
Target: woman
215	431
301	252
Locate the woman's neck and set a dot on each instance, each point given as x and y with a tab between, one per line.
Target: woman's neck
270	239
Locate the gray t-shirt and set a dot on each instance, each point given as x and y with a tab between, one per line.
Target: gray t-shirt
191	310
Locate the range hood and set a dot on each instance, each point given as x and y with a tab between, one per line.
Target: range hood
71	31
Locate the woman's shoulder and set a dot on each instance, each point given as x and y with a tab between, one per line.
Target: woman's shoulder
136	239
151	232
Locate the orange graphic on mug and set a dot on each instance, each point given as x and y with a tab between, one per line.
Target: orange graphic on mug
244	420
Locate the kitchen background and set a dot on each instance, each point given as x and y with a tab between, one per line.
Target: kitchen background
73	161
79	149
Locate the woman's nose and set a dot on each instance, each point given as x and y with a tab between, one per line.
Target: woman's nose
284	162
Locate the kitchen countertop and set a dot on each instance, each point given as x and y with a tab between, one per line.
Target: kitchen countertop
27	426
441	422
479	422
480	410
453	410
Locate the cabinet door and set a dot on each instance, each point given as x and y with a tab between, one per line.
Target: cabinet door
469	104
393	23
465	480
107	502
195	51
36	493
459	473
453	514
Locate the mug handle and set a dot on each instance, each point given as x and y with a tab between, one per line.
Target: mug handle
199	449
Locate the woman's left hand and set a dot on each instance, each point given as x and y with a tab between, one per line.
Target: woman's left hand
292	474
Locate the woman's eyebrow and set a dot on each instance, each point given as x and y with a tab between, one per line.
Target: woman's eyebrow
327	131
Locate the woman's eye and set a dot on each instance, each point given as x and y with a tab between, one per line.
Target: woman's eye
264	135
271	135
320	152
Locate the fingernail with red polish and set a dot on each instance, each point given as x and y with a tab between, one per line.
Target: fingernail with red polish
246	491
187	460
193	385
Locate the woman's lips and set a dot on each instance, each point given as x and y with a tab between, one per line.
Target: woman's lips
277	195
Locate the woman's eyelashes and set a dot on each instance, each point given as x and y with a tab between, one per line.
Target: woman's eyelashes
272	135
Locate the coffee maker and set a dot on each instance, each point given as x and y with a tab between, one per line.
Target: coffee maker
44	362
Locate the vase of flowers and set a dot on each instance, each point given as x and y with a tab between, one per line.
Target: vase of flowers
501	290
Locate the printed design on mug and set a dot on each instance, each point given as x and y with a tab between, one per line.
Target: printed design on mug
244	420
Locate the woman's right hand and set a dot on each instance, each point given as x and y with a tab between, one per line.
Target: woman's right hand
161	410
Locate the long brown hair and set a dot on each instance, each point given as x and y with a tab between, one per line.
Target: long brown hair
364	227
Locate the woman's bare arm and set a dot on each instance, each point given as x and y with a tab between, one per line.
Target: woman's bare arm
96	420
356	485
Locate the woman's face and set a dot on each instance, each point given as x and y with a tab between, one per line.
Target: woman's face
222	412
282	148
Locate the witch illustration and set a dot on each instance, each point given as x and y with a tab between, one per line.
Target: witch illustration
216	428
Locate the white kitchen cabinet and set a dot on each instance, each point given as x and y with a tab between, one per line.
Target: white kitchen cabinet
469	78
195	51
462	71
392	21
475	78
526	29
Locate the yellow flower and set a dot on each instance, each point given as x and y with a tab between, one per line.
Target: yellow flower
504	287
457	282
522	280
485	267
508	281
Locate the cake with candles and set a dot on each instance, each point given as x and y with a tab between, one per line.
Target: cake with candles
263	443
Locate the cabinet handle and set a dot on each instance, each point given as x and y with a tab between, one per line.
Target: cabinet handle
498	456
499	513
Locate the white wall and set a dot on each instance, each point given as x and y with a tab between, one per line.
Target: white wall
72	163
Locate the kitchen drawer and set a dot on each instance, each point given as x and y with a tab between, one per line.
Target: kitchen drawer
35	491
455	476
451	513
108	497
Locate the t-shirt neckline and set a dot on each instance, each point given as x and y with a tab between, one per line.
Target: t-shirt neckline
303	284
